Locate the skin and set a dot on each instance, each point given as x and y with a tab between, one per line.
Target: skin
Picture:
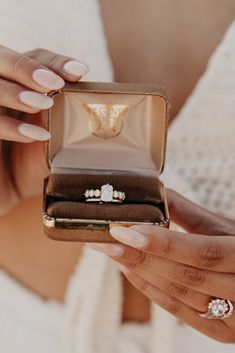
168	42
23	168
19	189
182	272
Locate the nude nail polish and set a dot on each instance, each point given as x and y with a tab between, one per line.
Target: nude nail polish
35	100
75	68
34	132
129	236
48	79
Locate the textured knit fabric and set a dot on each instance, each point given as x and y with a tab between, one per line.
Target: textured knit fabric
200	164
201	150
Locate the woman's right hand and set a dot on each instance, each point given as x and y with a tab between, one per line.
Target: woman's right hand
24	81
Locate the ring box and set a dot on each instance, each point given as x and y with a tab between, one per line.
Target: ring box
105	133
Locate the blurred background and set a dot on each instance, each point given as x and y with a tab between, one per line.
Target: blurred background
164	41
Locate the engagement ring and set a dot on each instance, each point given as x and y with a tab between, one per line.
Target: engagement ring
218	309
105	194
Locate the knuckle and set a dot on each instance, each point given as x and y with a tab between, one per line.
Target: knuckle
5	90
144	286
52	60
45	57
3	85
173	306
131	267
176	289
190	276
35	53
138	258
20	63
168	245
210	254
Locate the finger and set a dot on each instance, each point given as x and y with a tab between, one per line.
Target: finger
215	253
68	68
28	72
14	130
216	329
17	97
210	283
193	299
205	282
196	219
187	296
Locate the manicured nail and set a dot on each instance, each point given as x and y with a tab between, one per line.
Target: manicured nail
48	79
129	236
75	68
36	100
34	132
108	249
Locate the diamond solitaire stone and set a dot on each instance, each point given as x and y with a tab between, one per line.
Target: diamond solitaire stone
218	307
106	193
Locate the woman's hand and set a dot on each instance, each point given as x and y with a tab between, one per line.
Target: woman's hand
24	81
182	271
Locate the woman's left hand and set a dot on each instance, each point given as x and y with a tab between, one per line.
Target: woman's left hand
180	271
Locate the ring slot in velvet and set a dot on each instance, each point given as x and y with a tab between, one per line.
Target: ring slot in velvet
137	188
107	212
143	198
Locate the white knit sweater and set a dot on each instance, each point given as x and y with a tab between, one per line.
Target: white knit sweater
200	164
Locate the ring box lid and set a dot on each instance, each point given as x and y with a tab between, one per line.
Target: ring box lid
108	126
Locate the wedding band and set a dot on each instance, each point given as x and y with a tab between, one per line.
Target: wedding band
105	194
218	309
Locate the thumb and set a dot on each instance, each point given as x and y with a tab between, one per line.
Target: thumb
196	219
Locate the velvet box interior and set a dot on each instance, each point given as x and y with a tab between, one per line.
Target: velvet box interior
104	133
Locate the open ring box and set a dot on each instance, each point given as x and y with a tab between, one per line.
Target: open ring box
105	133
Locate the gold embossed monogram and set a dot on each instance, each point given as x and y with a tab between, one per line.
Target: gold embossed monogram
106	120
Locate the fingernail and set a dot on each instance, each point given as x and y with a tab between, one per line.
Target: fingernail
75	68
34	132
121	267
36	100
108	249
48	79
129	236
